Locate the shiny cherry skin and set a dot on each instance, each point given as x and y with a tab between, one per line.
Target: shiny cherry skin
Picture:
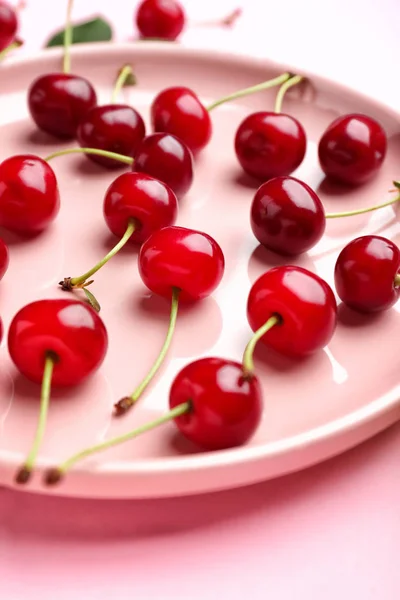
4	258
270	145
178	110
287	216
59	101
226	406
138	196
8	24
186	259
29	197
167	158
305	304
352	149
162	19
70	330
365	274
113	127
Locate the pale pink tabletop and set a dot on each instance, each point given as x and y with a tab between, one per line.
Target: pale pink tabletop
329	532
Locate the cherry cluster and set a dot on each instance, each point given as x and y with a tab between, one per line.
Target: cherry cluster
215	402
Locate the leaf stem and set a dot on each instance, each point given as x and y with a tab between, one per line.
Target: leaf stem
24	473
265	85
55	475
361	211
283	89
68	38
128	160
248	362
125	403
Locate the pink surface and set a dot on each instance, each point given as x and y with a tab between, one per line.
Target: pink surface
328	532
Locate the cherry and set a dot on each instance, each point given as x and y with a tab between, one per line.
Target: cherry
352	149
270	144
135	206
29	197
287	216
166	158
4	258
178	110
367	274
162	19
8	25
302	304
55	342
212	404
181	265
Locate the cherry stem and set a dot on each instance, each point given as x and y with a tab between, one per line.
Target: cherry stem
128	160
123	405
124	75
68	38
283	89
76	282
24	473
228	21
15	44
265	85
361	211
397	280
55	475
248	362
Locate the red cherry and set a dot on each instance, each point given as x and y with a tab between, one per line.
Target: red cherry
151	203
287	216
113	127
4	258
163	19
69	330
8	25
366	274
270	145
226	407
165	157
29	197
178	110
176	257
352	149
59	101
304	303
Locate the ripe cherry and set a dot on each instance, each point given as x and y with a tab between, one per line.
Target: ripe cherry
166	158
29	197
287	216
178	110
8	25
179	264
302	304
352	149
212	404
135	206
4	258
367	274
55	342
162	19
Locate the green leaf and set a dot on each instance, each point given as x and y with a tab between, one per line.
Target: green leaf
95	30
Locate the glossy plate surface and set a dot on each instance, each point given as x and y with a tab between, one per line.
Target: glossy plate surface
313	409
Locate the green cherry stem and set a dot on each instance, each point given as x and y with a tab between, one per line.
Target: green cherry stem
55	474
125	76
15	44
24	473
125	403
68	39
248	362
361	211
265	85
128	160
283	89
70	283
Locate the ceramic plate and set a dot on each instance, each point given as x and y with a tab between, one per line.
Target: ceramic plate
314	408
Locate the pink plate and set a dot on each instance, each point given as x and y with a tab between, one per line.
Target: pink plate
313	409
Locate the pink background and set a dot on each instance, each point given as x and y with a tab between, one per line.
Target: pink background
327	533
